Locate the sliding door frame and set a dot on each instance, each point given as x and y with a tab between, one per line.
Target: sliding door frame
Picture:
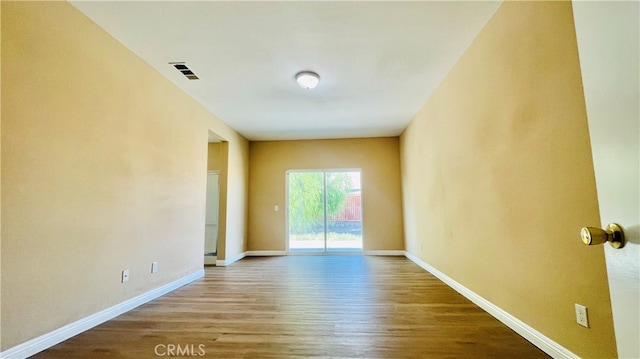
324	195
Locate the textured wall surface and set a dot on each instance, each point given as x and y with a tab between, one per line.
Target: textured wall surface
498	178
104	167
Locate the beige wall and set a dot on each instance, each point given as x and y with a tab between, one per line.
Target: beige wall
498	178
381	197
234	188
213	156
103	168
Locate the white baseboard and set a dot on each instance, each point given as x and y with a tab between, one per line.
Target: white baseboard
210	260
366	253
265	253
538	339
50	339
384	253
226	262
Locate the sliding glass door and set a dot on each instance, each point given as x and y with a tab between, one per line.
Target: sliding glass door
306	211
324	211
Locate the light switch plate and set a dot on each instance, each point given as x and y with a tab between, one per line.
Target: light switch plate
125	275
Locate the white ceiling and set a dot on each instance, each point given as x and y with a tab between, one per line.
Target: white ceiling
378	61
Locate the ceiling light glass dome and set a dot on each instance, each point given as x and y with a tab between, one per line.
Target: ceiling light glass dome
307	79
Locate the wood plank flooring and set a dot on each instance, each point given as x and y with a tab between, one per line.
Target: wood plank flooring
303	307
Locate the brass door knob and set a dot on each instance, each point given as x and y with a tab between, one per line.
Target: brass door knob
612	234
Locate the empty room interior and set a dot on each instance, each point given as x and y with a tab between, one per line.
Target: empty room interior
430	179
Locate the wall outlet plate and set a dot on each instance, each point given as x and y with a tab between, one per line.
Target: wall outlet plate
154	267
581	315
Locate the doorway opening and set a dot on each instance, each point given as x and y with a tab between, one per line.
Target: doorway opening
216	203
324	211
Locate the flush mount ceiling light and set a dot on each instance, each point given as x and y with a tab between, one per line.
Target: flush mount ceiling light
307	79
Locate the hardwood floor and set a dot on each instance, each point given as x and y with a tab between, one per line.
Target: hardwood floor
301	307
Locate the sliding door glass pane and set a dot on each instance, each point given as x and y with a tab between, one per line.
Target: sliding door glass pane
306	211
344	214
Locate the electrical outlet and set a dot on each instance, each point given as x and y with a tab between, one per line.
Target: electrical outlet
125	275
154	267
581	315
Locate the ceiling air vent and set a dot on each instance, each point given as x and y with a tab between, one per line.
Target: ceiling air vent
180	66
